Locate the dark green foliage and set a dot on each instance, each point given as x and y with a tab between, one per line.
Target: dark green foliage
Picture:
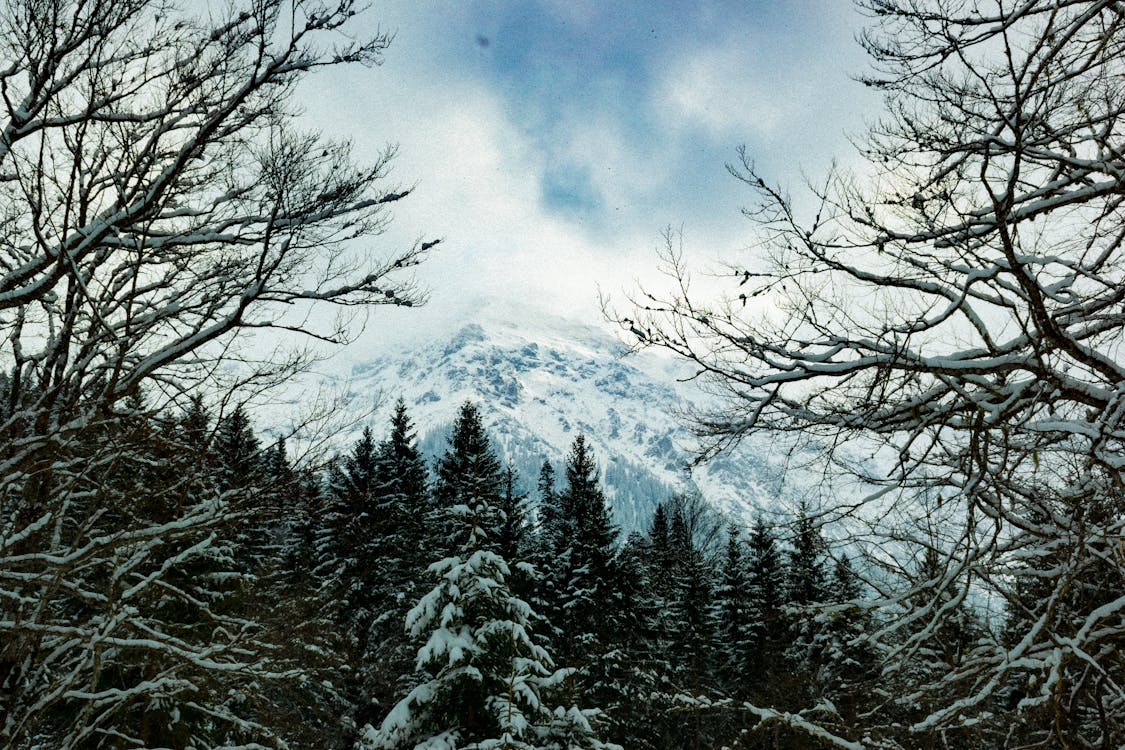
769	635
469	475
586	556
238	450
319	570
401	491
850	661
806	587
514	534
482	678
659	539
691	604
734	616
807	578
641	666
352	534
403	504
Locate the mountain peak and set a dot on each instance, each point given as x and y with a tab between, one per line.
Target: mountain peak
541	380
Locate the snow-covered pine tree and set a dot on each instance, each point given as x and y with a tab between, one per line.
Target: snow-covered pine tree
660	538
306	525
849	661
514	535
483	680
660	562
238	449
282	483
765	583
639	667
807	579
468	473
401	493
733	616
351	532
550	512
286	498
692	602
588	590
591	590
402	500
514	539
349	540
1037	598
550	554
286	598
806	586
691	620
243	472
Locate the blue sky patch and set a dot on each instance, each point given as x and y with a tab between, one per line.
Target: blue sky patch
567	188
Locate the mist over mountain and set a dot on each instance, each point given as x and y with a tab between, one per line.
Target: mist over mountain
540	381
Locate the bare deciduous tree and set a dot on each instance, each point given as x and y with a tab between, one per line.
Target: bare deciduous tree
958	311
158	199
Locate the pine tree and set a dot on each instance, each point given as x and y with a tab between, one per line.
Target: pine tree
591	548
349	544
549	554
392	476
353	481
691	604
307	528
484	682
513	538
661	570
238	450
806	587
468	474
552	518
401	492
286	598
807	578
692	623
280	504
165	464
639	669
734	616
590	587
849	660
350	539
660	539
401	499
765	582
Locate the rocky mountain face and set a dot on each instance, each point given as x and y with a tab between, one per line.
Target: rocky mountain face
540	381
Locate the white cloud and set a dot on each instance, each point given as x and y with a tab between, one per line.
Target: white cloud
479	183
718	90
788	95
480	175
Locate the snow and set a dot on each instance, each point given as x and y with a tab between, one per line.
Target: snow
540	380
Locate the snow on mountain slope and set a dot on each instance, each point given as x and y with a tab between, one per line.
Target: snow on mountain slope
540	381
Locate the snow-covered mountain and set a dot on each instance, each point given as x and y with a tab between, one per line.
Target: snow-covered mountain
540	381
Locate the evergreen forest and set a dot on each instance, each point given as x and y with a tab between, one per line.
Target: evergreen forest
381	601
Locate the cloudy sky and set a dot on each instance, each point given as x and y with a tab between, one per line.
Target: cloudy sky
551	141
